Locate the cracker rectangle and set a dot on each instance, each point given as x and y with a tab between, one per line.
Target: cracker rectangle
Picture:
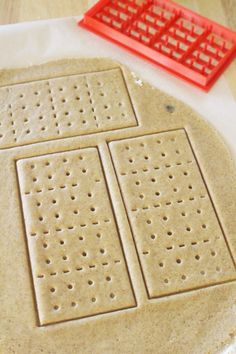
179	240
64	107
77	262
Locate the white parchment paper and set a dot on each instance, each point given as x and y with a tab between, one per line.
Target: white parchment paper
33	43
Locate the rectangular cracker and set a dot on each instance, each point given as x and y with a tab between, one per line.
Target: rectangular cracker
179	240
77	262
64	107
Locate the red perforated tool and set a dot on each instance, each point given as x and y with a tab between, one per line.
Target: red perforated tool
177	39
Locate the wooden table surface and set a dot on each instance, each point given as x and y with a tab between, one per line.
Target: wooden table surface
12	11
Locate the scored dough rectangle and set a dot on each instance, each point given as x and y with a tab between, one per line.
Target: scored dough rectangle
179	240
76	257
64	107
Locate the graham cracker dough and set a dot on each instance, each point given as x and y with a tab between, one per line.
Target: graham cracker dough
117	216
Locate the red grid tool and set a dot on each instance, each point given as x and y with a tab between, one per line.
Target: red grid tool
179	40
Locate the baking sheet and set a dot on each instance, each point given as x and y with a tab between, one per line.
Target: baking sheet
33	43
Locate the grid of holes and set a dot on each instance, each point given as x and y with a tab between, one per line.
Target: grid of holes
179	240
164	29
62	107
78	266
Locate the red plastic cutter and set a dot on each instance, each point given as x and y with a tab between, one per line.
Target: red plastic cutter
186	44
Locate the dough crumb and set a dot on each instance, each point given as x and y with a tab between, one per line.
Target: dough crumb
138	81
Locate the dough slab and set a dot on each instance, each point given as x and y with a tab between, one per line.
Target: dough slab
117	216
